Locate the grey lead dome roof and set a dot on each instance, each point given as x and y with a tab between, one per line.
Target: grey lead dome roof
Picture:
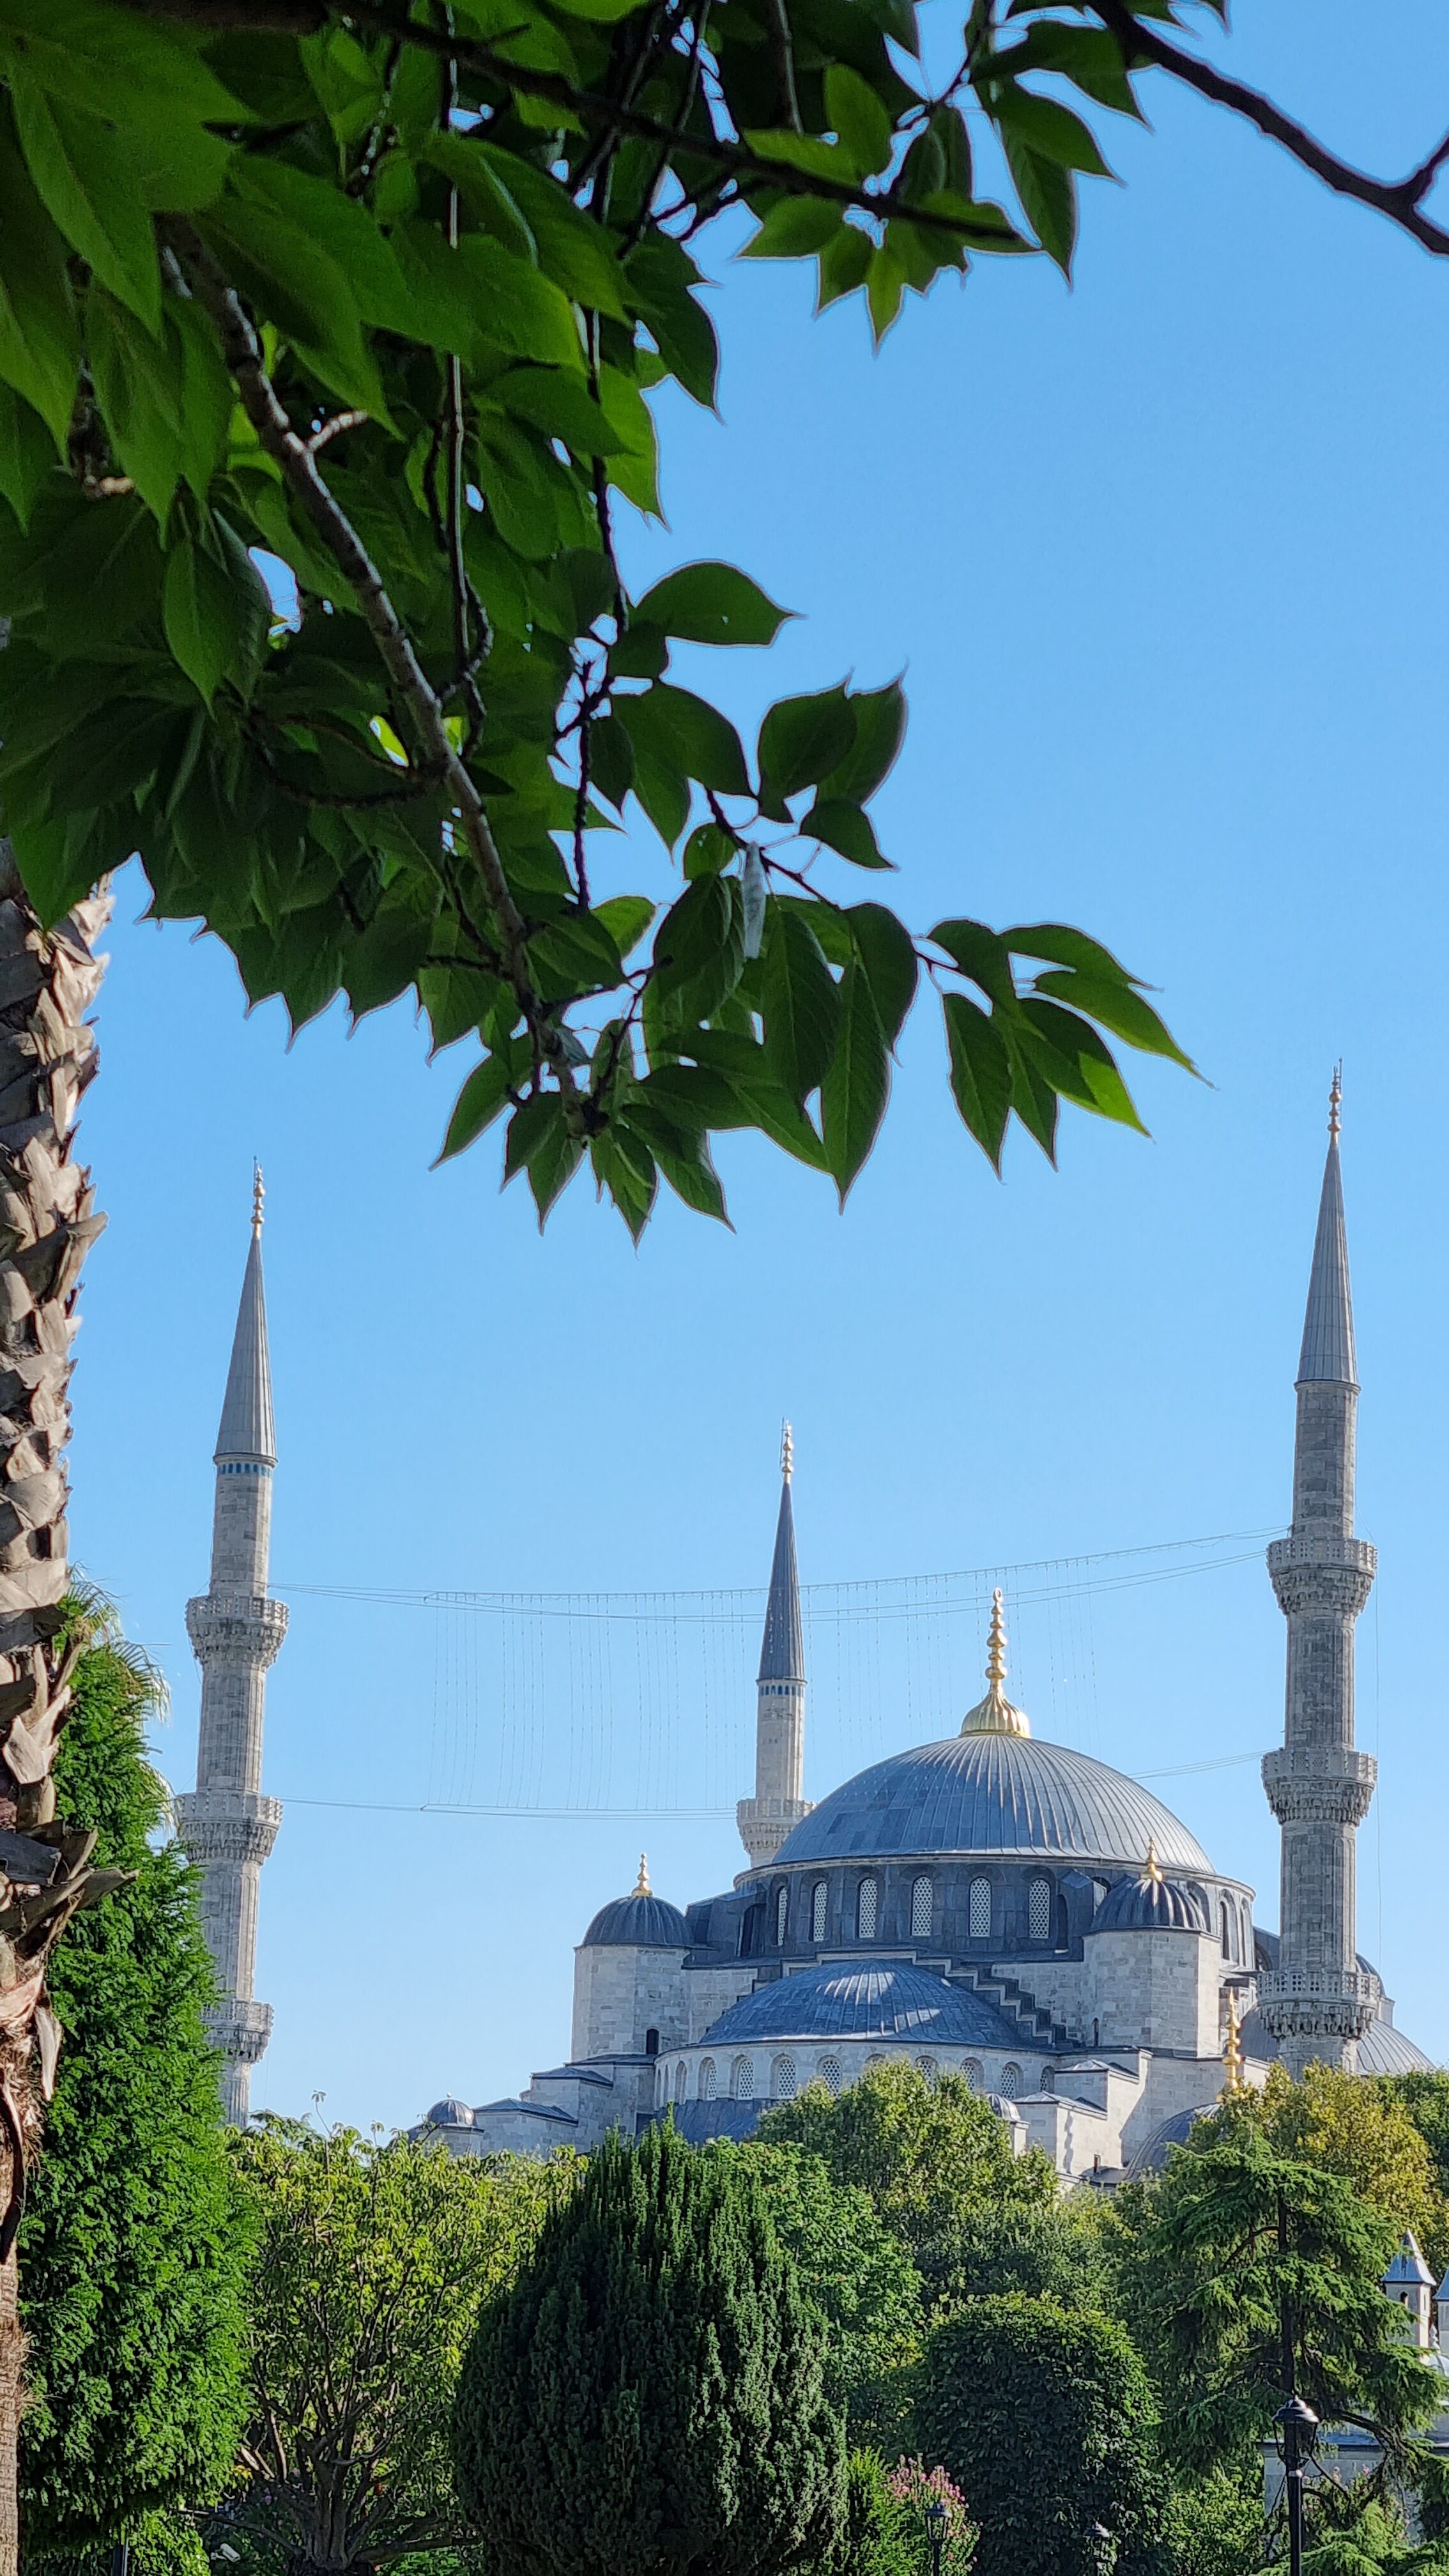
1150	1904
637	1923
889	2002
1007	1795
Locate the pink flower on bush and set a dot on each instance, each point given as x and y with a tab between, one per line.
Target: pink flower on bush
917	2487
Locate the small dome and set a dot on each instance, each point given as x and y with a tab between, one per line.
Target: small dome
1150	1903
450	2113
896	2002
641	1921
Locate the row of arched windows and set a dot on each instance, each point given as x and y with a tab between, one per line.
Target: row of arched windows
867	1909
739	2076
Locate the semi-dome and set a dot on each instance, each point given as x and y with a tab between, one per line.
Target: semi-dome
640	1921
892	2001
996	1793
450	2113
1151	1903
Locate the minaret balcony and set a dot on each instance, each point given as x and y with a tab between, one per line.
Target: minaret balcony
239	2027
1317	2003
236	1628
1312	1570
226	1825
1325	1784
766	1823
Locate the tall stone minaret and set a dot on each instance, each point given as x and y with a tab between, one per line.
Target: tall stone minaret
779	1801
226	1825
1317	2003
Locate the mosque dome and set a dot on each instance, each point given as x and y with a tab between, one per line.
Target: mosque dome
999	1793
1151	1903
639	1921
892	2001
450	2113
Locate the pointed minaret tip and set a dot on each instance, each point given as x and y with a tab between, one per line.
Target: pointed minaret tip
782	1649
641	1884
1327	1355
994	1715
247	1431
787	1451
259	1199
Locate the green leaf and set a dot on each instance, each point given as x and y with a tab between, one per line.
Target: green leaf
663	792
479	182
766	1101
844	263
624	1166
1120	1008
26	453
177	167
338	225
626	917
856	1087
139	387
484	1094
1053	131
658	277
879	718
801	740
1033	1093
801	1002
860	119
40	344
1082	1066
980	1072
539	1143
1066	947
215	610
1089	57
885	286
143	73
573	250
611	759
206	393
554	400
682	1154
688	735
843	827
793	229
983	955
292	281
711	603
1048	195
640	652
83	171
707	850
807	152
887	952
634	464
699	949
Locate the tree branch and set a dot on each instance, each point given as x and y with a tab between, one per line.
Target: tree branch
1399	199
415	692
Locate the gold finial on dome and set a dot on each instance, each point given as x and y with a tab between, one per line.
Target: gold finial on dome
1233	2049
642	1886
994	1715
1154	1865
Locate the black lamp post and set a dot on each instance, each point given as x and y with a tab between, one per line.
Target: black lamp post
936	2532
1299	2425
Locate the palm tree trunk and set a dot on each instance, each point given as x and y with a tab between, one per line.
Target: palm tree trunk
48	979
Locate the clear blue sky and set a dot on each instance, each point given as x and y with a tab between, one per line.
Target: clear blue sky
1163	560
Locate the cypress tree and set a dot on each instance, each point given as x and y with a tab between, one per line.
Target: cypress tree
133	2248
649	2394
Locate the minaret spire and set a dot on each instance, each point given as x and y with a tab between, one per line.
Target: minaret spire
1317	2002
227	1825
779	1801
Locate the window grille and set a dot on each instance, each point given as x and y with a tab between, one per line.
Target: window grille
920	1909
971	2069
866	1907
782	1915
830	2074
981	1909
742	2079
1011	2078
706	2080
782	2079
819	1898
1039	1910
926	2066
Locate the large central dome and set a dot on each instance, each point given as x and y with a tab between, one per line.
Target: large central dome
999	1793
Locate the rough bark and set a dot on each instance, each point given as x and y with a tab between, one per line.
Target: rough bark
48	1222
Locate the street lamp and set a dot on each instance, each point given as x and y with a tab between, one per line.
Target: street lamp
1299	2425
936	2532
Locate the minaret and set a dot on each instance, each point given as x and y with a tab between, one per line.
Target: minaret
226	1825
779	1801
1317	2003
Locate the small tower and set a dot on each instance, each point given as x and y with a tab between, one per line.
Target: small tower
779	1801
226	1824
1317	2002
1410	2284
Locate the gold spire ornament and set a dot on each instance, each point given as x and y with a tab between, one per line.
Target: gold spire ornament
1154	1865
1232	2051
642	1886
787	1451
994	1715
259	1196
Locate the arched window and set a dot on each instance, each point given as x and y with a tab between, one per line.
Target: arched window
706	2079
830	2074
926	2066
867	1905
1048	2080
877	2060
680	2081
971	2069
819	1898
651	2043
782	1913
782	2079
742	2079
1011	2078
1246	1920
1039	1910
920	1909
1227	1928
981	1909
